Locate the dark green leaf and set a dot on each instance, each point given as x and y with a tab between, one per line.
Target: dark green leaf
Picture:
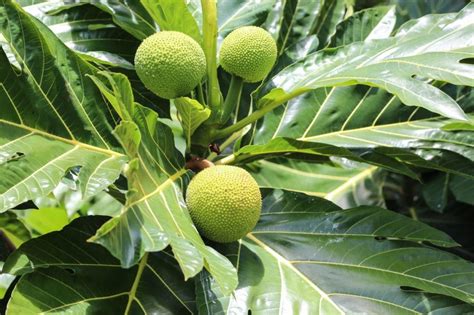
13	229
344	186
373	23
435	192
130	15
462	188
293	21
234	14
331	14
62	272
307	255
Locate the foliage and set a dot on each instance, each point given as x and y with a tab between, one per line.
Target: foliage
360	138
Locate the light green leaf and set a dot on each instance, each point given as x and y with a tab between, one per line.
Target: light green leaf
173	16
45	220
307	255
410	134
155	215
81	277
457	126
5	281
192	115
365	119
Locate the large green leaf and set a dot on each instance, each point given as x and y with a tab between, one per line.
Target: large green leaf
307	256
361	118
395	64
92	32
342	185
85	28
154	215
62	273
52	117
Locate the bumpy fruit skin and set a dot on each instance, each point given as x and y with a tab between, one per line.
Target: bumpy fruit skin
224	203
170	64
248	52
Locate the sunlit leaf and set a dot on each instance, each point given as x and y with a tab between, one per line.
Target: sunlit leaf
155	214
393	63
52	118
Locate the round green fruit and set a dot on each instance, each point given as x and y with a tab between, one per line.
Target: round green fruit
170	64
224	203
248	52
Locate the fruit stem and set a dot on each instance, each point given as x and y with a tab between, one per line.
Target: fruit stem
232	98
259	113
209	29
226	143
227	160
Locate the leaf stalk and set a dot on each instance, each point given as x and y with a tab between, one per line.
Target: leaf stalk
259	113
232	98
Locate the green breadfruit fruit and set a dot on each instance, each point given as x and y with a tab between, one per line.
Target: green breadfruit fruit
224	203
248	52
170	64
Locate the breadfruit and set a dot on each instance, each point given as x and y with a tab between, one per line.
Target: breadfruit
170	64
224	203
248	52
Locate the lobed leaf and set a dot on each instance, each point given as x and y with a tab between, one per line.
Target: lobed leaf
393	63
155	214
81	277
316	255
52	119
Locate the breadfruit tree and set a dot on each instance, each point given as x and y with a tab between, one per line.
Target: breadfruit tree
236	157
